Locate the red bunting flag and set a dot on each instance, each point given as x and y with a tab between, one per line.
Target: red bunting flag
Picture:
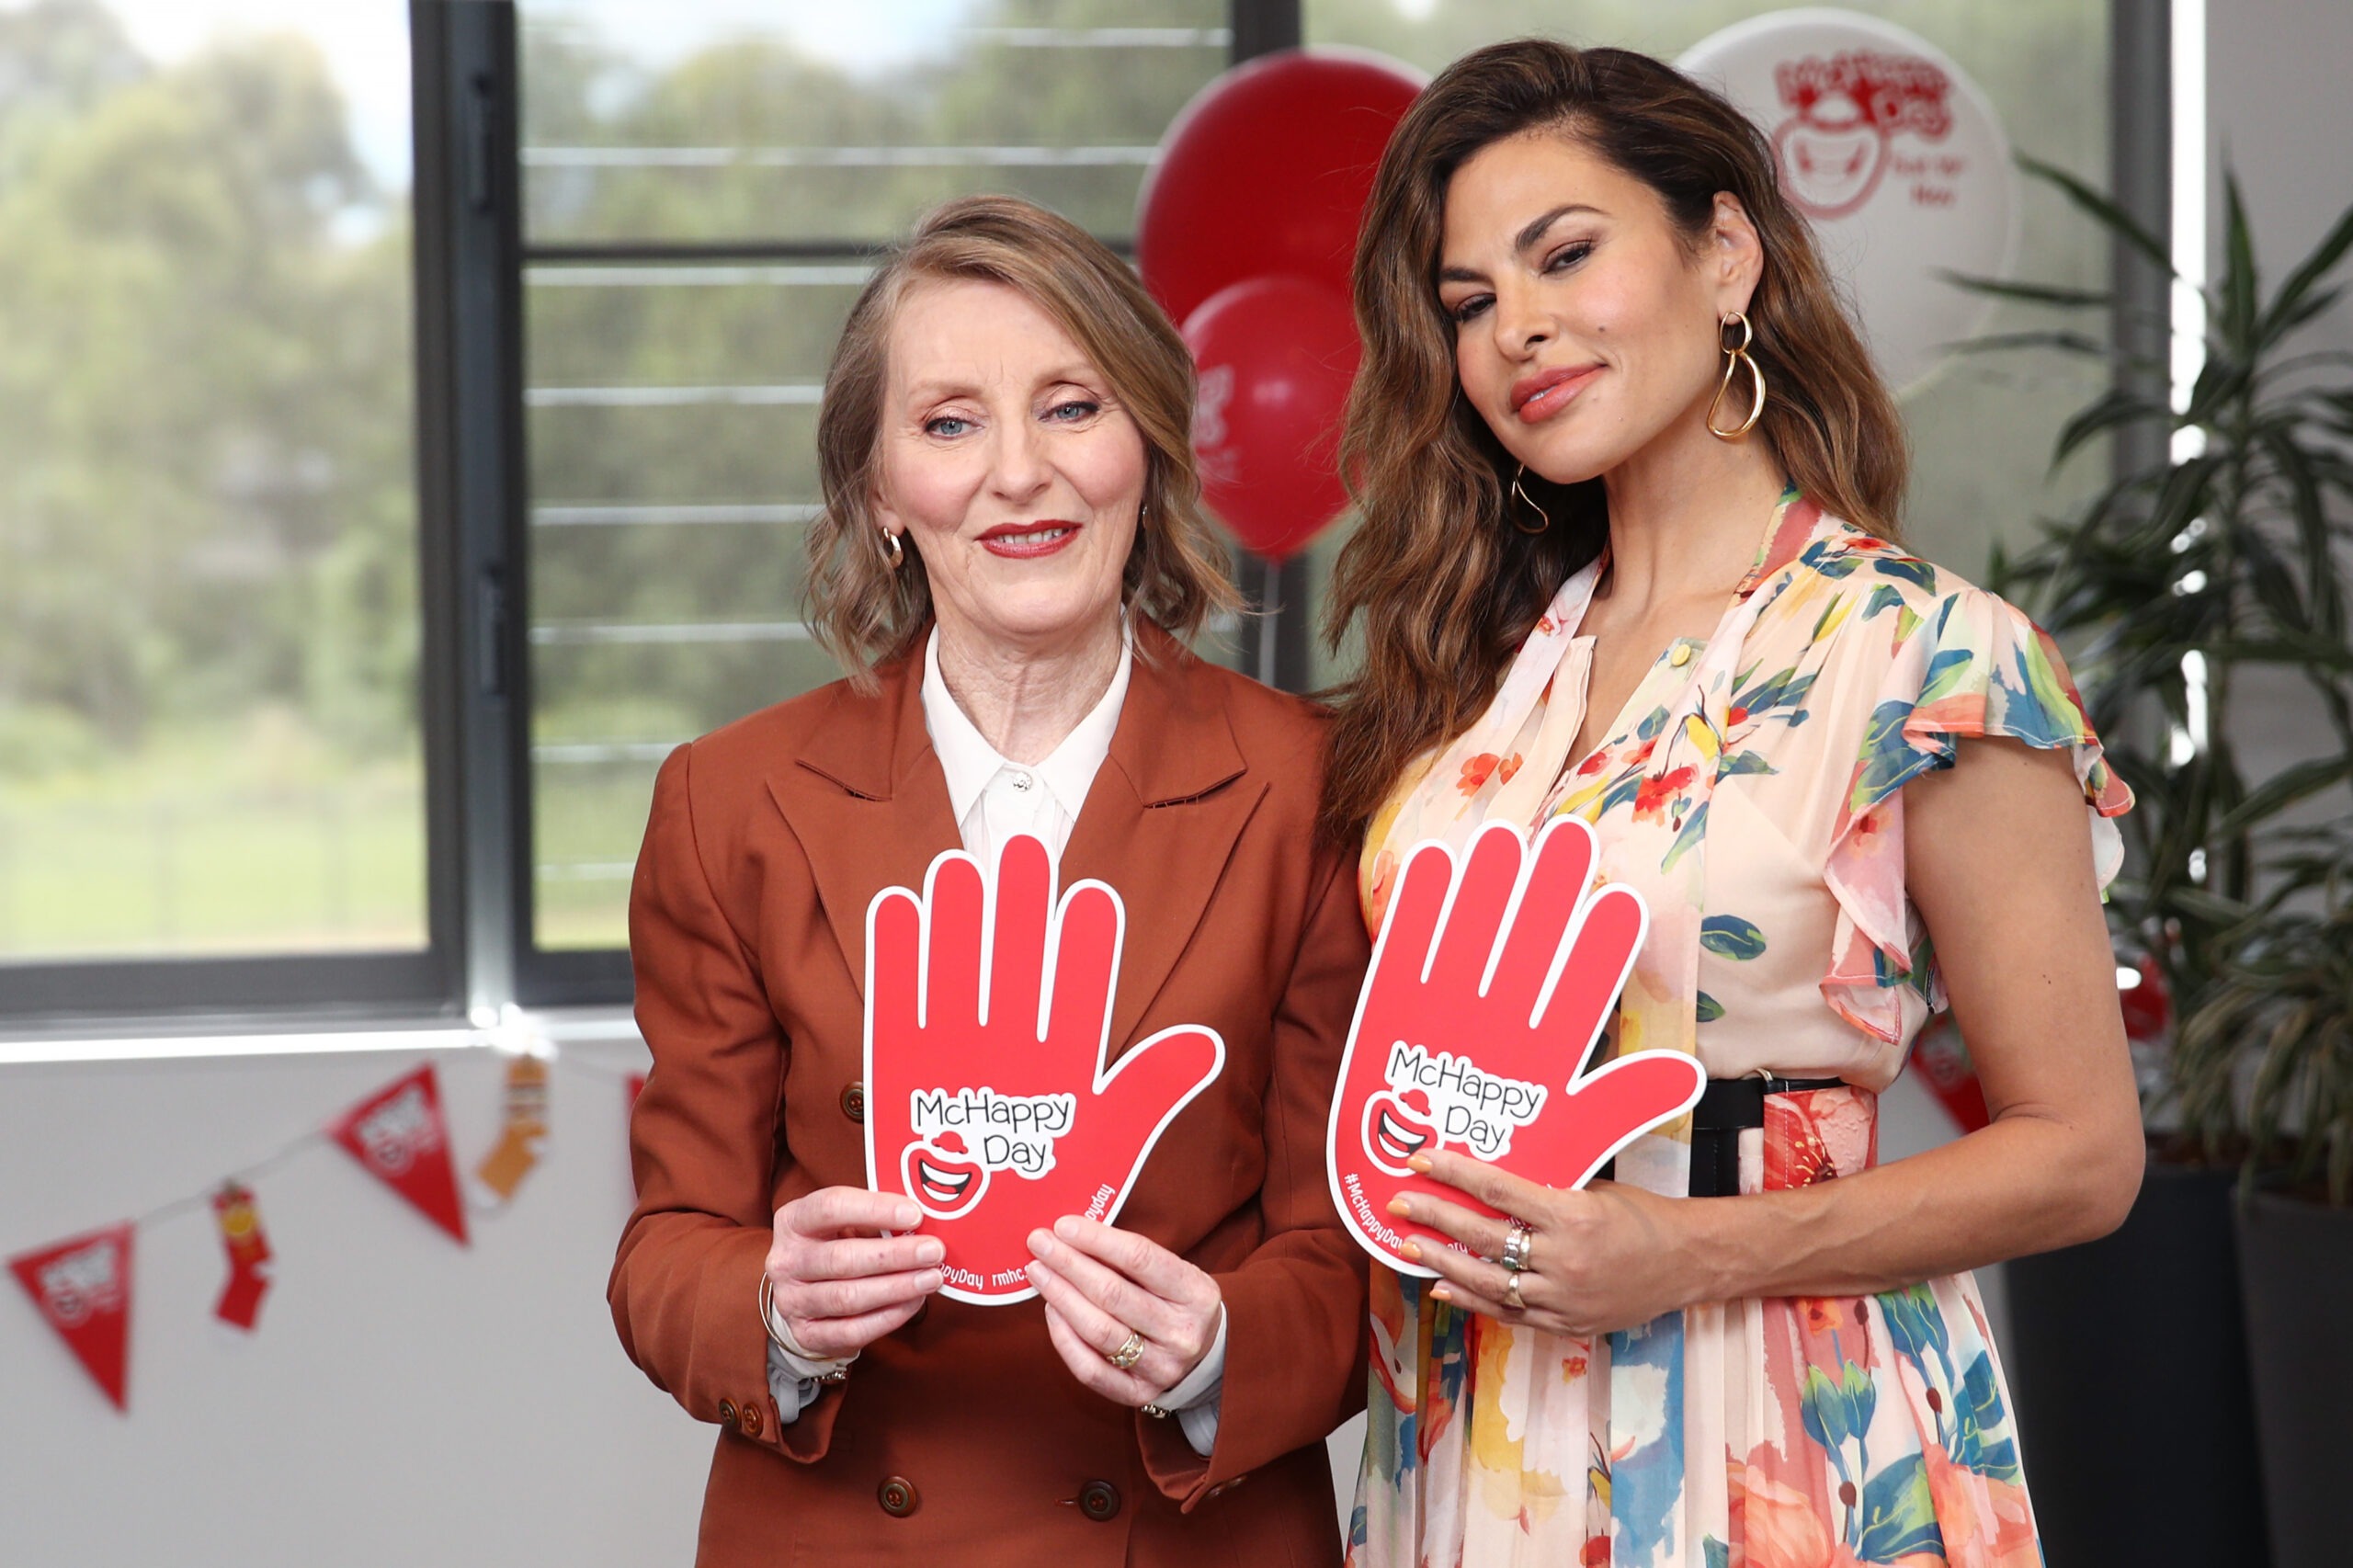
399	1135
248	1248
83	1286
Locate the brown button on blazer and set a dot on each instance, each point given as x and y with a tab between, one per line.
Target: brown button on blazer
962	1438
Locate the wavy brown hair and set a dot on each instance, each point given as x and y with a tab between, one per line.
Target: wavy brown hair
1447	587
867	614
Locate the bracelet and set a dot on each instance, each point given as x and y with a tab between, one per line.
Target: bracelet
833	1368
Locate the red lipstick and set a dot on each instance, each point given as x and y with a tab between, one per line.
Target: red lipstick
1029	541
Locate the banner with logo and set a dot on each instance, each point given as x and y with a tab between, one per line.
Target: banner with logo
1494	974
992	1097
1892	153
398	1135
82	1288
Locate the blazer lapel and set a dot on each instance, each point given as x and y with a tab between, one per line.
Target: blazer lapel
868	803
1163	817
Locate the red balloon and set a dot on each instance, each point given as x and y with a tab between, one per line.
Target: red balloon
1276	357
1267	171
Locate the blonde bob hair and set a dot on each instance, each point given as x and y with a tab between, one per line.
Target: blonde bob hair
865	612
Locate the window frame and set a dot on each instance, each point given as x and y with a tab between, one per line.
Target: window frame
1274	644
473	557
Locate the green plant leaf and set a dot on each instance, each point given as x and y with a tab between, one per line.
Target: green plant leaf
2283	317
2283	790
2116	407
2055	294
2239	283
2114	218
2074	343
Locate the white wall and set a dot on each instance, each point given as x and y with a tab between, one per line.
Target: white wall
405	1400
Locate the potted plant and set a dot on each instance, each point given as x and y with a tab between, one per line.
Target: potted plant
2267	1060
2216	556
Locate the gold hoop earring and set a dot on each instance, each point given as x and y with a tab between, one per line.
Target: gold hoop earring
1736	358
1520	497
892	550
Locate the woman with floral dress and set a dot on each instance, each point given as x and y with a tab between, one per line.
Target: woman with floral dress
1629	484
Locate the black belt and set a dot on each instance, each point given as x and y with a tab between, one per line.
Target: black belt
1728	1107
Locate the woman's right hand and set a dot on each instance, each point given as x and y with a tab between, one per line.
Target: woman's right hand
839	1283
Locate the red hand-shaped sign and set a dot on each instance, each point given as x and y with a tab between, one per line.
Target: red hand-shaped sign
1491	978
991	1099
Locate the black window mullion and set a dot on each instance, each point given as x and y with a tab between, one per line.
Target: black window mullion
478	333
1275	640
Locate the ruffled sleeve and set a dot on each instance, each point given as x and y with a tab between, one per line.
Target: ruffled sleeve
1962	664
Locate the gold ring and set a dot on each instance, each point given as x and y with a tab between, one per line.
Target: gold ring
1511	1293
1518	1240
1129	1354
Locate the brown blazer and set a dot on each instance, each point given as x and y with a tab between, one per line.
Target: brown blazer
747	931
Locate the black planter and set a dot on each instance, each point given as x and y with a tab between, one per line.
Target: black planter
2126	1357
2296	1267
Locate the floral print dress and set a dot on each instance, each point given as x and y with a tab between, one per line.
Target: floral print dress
1751	790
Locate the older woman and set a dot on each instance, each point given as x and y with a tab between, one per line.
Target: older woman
1629	485
1009	557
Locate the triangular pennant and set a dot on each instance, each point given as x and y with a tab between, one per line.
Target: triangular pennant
398	1134
83	1286
248	1248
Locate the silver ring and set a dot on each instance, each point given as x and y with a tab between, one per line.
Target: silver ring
1511	1293
1128	1353
1518	1239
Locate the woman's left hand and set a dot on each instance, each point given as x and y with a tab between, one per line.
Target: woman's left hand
1101	1284
1607	1258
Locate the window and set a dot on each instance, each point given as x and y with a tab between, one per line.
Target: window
392	471
701	188
212	759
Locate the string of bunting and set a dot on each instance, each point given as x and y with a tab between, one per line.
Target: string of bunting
82	1284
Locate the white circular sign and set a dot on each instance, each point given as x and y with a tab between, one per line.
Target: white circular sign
1896	158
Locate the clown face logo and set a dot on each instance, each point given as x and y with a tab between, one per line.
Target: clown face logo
941	1176
83	1282
397	1132
1846	113
1396	1128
